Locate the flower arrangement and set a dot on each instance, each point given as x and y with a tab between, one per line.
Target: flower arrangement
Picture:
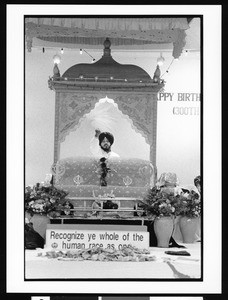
158	203
191	205
42	199
161	204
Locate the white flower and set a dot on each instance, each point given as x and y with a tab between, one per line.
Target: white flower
37	206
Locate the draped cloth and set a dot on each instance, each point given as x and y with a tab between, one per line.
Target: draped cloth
121	31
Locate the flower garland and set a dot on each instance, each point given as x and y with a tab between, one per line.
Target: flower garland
104	170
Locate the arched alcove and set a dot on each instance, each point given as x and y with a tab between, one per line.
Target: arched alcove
129	142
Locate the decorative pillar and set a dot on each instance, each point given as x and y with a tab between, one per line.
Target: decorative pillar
29	43
56	134
153	145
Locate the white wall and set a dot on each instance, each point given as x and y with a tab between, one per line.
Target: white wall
178	136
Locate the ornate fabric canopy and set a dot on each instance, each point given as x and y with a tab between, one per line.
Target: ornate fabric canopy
121	31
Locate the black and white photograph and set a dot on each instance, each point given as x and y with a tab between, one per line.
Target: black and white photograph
113	176
115	198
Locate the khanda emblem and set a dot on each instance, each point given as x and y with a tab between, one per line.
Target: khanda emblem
57	170
143	171
54	245
127	180
78	179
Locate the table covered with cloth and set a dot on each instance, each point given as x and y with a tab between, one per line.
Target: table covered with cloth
164	266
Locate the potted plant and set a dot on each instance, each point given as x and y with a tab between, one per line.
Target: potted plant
162	207
190	215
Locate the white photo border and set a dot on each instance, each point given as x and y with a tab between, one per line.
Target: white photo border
211	151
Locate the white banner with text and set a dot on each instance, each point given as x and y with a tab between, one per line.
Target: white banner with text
75	237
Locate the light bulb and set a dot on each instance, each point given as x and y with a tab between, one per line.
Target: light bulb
160	60
56	59
62	51
80	51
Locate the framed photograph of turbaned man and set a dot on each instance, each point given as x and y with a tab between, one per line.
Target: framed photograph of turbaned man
114	153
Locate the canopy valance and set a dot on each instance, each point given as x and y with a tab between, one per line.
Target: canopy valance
121	31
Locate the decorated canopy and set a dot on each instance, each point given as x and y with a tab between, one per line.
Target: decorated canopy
122	31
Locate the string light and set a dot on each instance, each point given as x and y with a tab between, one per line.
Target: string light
167	71
93	59
160	60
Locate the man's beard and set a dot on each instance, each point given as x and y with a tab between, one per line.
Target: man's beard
106	149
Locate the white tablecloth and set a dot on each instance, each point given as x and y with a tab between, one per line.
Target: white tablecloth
164	267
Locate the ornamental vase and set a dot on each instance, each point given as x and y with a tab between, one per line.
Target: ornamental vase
163	228
40	223
188	228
